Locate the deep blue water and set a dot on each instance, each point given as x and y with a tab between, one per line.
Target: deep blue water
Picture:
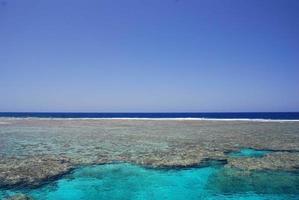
235	115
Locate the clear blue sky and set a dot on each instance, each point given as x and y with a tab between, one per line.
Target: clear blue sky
149	55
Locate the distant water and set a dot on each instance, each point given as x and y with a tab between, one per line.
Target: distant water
131	182
227	115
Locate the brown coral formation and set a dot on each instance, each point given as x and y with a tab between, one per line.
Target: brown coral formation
275	161
20	197
33	151
32	171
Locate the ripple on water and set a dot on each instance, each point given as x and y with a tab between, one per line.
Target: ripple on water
132	182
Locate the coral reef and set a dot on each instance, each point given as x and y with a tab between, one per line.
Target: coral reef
33	151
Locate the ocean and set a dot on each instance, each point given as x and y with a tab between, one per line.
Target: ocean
173	115
162	156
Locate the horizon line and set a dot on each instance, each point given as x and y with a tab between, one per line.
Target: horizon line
133	112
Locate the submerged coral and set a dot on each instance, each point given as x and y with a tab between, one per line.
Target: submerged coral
32	171
275	161
20	197
33	151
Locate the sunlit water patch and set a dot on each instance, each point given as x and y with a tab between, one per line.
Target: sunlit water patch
248	152
131	182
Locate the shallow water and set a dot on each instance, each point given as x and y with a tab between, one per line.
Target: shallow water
151	143
132	182
247	152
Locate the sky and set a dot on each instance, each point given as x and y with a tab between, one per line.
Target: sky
149	55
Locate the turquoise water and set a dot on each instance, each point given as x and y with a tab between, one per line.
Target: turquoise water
247	152
132	182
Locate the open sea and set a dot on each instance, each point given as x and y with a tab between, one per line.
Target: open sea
199	115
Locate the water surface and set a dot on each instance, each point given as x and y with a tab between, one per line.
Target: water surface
208	115
248	152
156	143
132	182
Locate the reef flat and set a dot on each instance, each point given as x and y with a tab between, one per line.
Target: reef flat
34	151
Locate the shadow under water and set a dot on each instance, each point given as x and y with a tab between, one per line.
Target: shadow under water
132	182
